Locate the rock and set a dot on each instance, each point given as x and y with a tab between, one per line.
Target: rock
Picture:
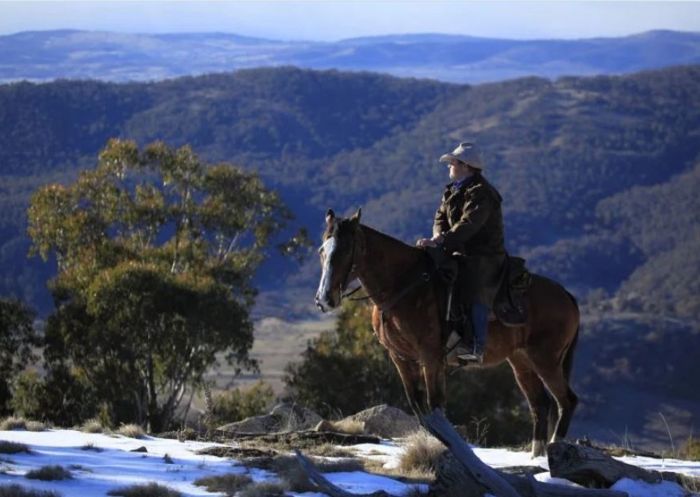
283	418
294	417
386	421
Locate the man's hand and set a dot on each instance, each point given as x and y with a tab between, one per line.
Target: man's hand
430	242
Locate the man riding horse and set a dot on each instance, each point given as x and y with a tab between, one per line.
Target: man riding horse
469	223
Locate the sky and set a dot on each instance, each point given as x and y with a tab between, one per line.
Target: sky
329	20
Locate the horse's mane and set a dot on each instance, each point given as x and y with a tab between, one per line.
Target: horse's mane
390	239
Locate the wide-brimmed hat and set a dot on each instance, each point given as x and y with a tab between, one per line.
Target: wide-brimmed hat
465	152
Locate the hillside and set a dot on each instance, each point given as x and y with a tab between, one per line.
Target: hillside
572	158
599	178
108	56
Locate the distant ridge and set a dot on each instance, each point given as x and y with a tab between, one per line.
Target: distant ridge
111	56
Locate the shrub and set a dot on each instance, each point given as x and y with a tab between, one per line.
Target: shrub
19	491
228	484
237	404
13	448
148	490
49	473
131	431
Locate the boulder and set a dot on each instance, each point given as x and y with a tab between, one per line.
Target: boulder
386	421
282	418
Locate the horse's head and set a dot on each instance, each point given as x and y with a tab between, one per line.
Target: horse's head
338	252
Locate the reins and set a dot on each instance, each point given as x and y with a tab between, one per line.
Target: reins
384	308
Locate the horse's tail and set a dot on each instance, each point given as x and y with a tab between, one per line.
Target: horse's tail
568	362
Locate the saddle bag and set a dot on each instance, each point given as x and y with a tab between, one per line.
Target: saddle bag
510	304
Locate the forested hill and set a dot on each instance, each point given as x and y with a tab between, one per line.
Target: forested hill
591	169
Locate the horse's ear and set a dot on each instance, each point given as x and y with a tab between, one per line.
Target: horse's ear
357	215
330	216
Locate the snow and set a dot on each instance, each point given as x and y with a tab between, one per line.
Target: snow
95	473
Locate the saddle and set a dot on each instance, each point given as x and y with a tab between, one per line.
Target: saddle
510	301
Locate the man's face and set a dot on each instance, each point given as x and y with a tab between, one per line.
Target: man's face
458	170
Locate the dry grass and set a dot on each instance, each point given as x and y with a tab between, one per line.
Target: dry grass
148	490
131	431
13	423
93	425
349	426
420	454
264	489
327	450
293	475
51	472
228	484
690	451
13	448
19	491
19	423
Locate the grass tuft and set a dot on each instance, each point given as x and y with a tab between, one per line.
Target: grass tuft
148	490
91	446
131	431
19	491
228	484
264	489
93	425
36	426
51	472
421	454
690	451
13	423
13	448
349	426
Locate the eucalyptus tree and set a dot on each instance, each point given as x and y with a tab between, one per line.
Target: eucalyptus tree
156	252
17	342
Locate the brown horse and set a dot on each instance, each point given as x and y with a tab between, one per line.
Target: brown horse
408	303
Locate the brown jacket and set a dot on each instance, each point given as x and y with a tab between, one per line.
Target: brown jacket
471	221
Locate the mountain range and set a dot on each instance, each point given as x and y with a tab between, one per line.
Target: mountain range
109	56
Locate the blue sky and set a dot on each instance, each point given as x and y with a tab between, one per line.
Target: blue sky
333	20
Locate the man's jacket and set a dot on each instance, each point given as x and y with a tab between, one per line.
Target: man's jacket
471	221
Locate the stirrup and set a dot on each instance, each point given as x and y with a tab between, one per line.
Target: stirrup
473	356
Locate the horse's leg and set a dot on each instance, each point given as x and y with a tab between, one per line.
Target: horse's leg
410	377
537	398
435	385
555	380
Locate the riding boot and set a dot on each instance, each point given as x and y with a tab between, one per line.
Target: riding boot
480	322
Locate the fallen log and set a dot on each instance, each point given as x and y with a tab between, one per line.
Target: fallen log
452	480
591	467
488	477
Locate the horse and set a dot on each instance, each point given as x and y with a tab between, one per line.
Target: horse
406	317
